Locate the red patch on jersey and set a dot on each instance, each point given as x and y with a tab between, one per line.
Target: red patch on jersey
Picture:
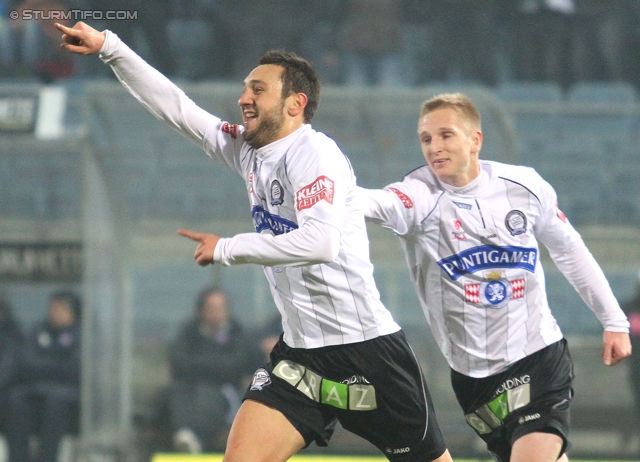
406	200
472	293
230	129
310	195
560	214
518	287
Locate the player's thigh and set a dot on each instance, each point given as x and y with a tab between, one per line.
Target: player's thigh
261	434
537	447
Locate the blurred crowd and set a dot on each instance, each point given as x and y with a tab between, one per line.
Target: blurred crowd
40	379
211	361
351	42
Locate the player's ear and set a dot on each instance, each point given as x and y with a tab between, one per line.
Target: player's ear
477	141
296	104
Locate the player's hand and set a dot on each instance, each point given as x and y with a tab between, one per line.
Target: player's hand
617	346
206	245
81	38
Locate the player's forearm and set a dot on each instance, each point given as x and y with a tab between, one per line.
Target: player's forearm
311	244
379	207
153	90
586	276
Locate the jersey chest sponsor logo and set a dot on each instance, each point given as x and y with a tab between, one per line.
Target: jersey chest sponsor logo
458	231
495	293
406	200
264	220
487	257
321	189
231	129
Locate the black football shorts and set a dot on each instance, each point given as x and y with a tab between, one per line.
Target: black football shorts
532	395
375	389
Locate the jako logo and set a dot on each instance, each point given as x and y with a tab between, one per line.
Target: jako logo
527	418
401	450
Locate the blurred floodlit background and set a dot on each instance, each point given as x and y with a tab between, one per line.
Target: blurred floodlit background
93	188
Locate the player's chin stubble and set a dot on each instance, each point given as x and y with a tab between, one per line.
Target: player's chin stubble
267	130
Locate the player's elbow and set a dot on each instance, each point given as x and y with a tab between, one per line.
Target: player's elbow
329	246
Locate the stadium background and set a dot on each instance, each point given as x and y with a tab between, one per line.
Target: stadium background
87	175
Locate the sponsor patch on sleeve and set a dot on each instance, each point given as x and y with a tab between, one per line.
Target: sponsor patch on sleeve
560	214
406	200
321	189
231	129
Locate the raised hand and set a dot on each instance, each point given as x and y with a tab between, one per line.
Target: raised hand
206	245
81	38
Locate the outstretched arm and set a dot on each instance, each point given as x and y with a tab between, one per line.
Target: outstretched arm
382	207
313	243
152	89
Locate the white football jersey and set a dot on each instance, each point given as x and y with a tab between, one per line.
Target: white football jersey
302	180
474	259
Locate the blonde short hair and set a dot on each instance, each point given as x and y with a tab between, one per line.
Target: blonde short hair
456	101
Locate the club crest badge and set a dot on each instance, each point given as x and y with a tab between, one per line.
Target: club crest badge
277	193
261	379
495	292
516	222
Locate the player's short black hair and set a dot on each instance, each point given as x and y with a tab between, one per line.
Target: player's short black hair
298	76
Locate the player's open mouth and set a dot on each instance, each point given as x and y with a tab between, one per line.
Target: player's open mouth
249	115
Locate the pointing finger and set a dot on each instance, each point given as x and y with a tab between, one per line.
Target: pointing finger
191	234
67	30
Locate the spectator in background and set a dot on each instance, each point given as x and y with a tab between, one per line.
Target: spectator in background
45	398
372	43
418	34
208	362
10	341
542	35
632	309
265	339
149	26
464	47
33	47
257	26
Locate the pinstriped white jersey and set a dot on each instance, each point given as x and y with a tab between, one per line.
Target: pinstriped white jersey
303	177
474	259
